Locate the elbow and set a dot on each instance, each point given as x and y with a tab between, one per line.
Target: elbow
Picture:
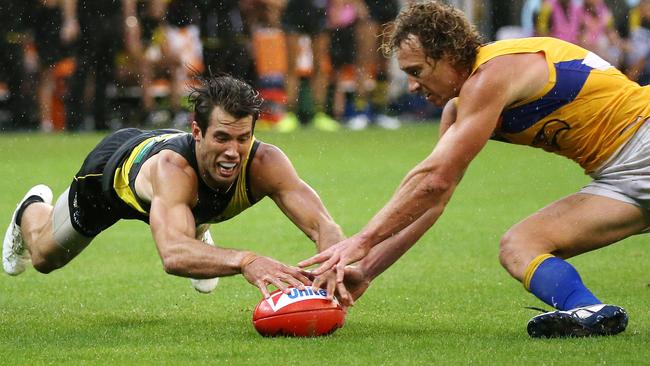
436	185
172	263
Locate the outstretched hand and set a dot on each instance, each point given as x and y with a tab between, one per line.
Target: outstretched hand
264	271
337	257
354	284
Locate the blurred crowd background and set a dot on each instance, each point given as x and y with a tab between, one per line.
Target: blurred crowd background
85	65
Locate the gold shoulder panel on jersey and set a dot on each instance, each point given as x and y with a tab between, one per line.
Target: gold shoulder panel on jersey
121	177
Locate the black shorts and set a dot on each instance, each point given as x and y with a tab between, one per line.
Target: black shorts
47	36
305	17
383	11
343	43
92	211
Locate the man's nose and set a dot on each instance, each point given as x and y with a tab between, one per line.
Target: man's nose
413	85
232	149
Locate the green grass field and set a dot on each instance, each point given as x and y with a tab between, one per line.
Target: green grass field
447	301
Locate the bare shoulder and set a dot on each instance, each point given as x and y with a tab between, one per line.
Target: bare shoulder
269	159
168	159
169	166
268	153
269	169
167	174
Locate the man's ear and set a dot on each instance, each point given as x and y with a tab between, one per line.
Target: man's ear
196	131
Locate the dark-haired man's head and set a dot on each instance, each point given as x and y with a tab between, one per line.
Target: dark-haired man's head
232	95
225	111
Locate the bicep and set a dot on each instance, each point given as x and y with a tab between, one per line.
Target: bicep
171	223
170	216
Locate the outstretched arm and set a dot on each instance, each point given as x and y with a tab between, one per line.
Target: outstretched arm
428	187
430	184
174	231
357	277
274	176
384	254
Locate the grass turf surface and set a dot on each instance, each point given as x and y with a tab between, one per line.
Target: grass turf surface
447	301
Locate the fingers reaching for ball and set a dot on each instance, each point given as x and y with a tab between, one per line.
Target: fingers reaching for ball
264	271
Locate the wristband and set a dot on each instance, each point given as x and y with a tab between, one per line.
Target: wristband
248	259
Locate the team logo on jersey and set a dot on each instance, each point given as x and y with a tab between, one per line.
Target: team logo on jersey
280	299
547	136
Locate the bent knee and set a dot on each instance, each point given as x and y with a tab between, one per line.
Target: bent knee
508	248
517	250
45	267
48	263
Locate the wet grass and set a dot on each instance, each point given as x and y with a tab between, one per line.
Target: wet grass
447	301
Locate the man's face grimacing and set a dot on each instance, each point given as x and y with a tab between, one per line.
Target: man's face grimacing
220	152
437	80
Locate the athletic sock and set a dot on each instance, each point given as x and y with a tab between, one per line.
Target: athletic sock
23	206
557	283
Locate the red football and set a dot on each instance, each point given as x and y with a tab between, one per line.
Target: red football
301	313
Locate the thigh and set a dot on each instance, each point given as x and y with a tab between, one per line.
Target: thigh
577	224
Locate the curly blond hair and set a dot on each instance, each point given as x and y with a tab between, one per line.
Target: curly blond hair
442	30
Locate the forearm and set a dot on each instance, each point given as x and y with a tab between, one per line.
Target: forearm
420	191
305	209
195	259
384	254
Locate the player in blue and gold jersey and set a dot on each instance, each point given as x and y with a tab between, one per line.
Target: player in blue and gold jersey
178	183
541	92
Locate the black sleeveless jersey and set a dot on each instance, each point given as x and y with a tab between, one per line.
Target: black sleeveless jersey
124	165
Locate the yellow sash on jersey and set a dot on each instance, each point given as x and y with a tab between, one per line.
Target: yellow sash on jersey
121	177
238	203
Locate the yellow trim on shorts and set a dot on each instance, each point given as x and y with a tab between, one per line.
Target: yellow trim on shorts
88	175
532	267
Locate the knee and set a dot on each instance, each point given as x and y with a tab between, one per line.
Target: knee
47	264
511	249
518	247
507	248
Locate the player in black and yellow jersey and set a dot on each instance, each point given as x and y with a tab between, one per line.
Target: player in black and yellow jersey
541	92
178	183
